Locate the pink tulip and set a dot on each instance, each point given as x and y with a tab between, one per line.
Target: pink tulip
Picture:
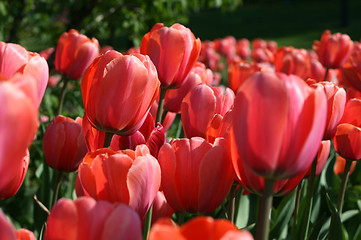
278	124
161	207
85	218
174	50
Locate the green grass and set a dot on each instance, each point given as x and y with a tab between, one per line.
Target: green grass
296	23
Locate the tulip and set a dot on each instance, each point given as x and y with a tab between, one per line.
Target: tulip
239	72
333	49
64	144
321	157
161	208
201	106
336	99
130	177
16	59
278	123
118	91
7	231
85	218
189	167
209	56
174	50
74	53
290	60
24	234
198	228
18	125
340	165
243	48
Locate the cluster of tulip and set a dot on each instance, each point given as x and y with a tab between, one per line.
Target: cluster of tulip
264	133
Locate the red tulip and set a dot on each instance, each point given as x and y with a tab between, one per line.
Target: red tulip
347	140
243	48
189	167
209	56
336	99
24	234
16	59
238	72
161	207
322	156
333	49
74	53
198	228
201	106
317	71
290	60
174	50
278	123
18	125
226	46
64	144
340	165
118	91
85	218
130	177
7	231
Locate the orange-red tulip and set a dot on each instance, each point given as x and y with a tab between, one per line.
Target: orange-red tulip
130	177
74	53
201	106
334	49
340	165
16	59
336	99
118	91
198	228
64	144
174	50
322	157
85	218
196	175
238	72
278	124
18	125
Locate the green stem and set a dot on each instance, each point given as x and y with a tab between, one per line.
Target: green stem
295	213
181	218
160	106
58	178
262	228
108	139
232	203
342	190
238	195
62	96
148	222
309	201
326	74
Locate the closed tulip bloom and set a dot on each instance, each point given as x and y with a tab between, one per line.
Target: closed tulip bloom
7	230
243	48
118	91
174	50
347	140
18	125
25	234
340	165
290	60
201	105
196	175
278	124
198	228
336	99
130	177
85	218
74	53
16	59
351	70
64	144
334	49
322	156
238	72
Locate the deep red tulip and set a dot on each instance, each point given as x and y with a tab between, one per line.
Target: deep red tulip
347	140
64	144
74	53
333	49
201	106
18	125
198	228
130	177
161	207
85	218
254	183
16	59
290	60
118	91
336	99
189	168
322	157
340	165
174	50
238	72
278	124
